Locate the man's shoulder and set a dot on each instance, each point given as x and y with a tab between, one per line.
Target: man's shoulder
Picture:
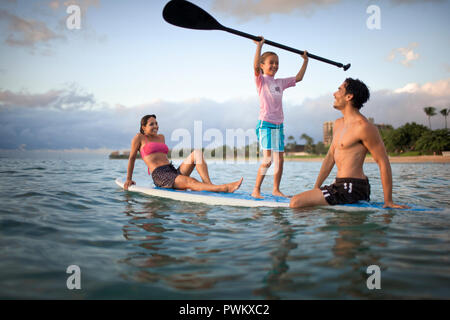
338	121
365	124
366	128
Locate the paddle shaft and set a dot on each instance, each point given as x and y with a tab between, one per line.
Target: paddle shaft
281	46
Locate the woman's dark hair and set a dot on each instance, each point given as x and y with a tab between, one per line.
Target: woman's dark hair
359	91
144	121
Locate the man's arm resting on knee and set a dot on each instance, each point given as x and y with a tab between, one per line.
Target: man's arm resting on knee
325	169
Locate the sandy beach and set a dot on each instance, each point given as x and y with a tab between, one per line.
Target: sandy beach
414	159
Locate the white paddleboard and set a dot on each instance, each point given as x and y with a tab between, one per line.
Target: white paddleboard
242	199
238	198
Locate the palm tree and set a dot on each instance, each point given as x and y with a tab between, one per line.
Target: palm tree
445	112
291	143
309	142
430	111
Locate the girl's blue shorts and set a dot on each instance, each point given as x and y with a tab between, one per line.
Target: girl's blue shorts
270	136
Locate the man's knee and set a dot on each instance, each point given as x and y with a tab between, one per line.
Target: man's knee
309	198
295	202
299	201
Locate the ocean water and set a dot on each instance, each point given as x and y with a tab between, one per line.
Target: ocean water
59	210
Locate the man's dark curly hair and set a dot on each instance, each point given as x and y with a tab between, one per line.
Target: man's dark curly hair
359	91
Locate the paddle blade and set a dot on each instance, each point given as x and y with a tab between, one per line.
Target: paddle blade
187	15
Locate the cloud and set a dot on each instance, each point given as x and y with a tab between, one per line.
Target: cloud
396	107
38	121
407	53
83	4
54	4
68	98
34	34
439	88
415	1
88	32
27	33
252	8
249	9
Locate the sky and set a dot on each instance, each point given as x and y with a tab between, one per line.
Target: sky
86	88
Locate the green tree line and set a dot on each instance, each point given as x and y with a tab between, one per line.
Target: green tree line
310	147
416	137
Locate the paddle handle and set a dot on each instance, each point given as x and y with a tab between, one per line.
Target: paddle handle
282	46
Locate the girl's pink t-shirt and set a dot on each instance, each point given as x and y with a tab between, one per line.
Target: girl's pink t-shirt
270	93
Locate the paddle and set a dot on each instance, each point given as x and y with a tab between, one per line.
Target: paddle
187	15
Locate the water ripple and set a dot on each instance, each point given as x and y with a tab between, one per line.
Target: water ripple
61	212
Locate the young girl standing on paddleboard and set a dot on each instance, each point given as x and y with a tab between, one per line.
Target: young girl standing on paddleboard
270	131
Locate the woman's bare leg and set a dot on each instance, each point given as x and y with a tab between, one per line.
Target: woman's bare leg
265	165
184	182
196	160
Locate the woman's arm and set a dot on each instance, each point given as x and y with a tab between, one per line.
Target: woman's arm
135	144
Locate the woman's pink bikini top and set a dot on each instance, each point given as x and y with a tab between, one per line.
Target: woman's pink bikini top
153	147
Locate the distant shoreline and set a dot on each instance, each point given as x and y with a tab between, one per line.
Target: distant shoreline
394	159
417	159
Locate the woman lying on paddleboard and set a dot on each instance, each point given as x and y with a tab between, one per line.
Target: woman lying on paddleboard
154	151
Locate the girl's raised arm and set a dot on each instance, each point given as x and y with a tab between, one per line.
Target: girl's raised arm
256	61
301	73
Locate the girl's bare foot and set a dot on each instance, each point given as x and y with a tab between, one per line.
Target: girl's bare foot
232	187
257	194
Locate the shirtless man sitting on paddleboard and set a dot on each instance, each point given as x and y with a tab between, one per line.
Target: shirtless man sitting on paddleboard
353	137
